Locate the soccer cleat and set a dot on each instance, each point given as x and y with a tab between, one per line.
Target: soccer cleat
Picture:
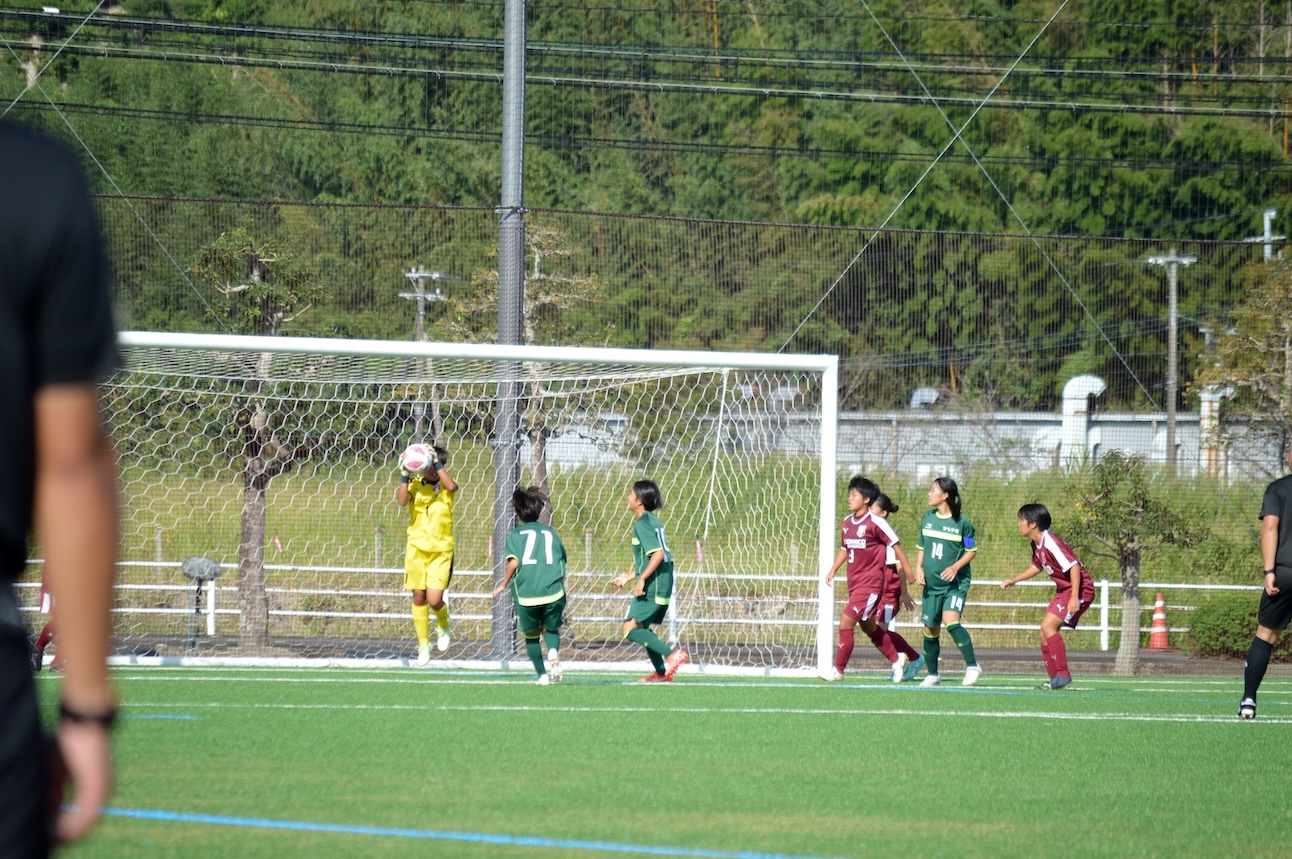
1247	708
654	678
1060	680
674	661
442	638
832	675
423	655
930	681
554	668
899	667
37	658
543	680
972	673
913	669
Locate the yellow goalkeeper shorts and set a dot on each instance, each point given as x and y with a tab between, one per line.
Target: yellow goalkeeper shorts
427	571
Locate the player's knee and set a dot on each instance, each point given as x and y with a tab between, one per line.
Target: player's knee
629	626
419	597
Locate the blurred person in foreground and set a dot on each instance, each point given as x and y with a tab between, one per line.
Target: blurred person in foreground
58	475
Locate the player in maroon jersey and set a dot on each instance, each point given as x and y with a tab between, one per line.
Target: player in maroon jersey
863	545
47	632
1076	590
896	597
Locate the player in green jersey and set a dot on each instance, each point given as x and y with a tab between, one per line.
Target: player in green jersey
946	547
536	565
653	586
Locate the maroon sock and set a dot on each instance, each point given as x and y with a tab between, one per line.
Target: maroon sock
1048	658
902	646
844	652
1060	653
45	635
882	640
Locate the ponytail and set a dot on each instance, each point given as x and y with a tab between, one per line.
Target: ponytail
947	485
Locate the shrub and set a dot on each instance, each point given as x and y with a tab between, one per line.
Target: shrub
1223	626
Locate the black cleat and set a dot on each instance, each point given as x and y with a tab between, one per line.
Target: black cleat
1247	708
1060	680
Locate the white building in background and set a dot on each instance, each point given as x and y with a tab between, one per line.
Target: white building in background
924	444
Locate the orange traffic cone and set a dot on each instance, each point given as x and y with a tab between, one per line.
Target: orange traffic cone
1157	638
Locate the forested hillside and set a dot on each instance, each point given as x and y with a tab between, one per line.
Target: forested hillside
1104	119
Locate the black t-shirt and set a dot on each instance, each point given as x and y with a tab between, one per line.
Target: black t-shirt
1278	502
55	309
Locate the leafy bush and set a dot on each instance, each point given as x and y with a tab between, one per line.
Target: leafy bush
1223	625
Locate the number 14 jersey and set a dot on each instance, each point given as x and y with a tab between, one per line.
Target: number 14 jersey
944	539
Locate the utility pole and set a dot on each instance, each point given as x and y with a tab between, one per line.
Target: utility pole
1172	262
418	276
1268	238
511	306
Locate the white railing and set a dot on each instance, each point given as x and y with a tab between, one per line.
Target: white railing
216	595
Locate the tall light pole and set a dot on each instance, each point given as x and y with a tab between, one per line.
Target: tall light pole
1172	262
418	276
511	305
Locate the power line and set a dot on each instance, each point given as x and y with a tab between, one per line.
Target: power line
577	142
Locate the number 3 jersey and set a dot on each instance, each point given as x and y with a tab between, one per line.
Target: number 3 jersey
945	540
866	539
540	564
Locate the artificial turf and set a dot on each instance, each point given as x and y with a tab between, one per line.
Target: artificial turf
211	761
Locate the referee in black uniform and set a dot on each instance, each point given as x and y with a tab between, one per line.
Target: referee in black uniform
58	477
1276	603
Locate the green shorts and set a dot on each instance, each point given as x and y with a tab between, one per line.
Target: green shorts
935	602
549	616
646	611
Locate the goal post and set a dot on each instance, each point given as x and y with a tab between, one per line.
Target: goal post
276	457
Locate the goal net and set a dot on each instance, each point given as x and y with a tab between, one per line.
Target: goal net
275	459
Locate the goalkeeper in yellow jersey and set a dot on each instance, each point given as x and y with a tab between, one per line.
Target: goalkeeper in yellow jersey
428	493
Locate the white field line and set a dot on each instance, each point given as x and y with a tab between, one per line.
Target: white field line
474	678
730	711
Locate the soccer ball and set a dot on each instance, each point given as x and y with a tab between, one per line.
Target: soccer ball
416	457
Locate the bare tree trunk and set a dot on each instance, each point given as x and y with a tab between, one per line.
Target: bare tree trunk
538	451
1127	661
253	602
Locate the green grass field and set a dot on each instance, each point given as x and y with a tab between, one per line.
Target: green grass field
266	763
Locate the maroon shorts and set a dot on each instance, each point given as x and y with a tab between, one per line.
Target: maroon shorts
868	604
1059	608
892	594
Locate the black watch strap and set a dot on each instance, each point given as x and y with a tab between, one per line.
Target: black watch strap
67	714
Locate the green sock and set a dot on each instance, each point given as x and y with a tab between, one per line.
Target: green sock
650	641
534	650
655	648
552	640
960	636
932	647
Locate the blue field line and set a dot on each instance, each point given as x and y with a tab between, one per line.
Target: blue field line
435	835
178	717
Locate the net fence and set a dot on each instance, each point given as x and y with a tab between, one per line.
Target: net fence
1005	320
